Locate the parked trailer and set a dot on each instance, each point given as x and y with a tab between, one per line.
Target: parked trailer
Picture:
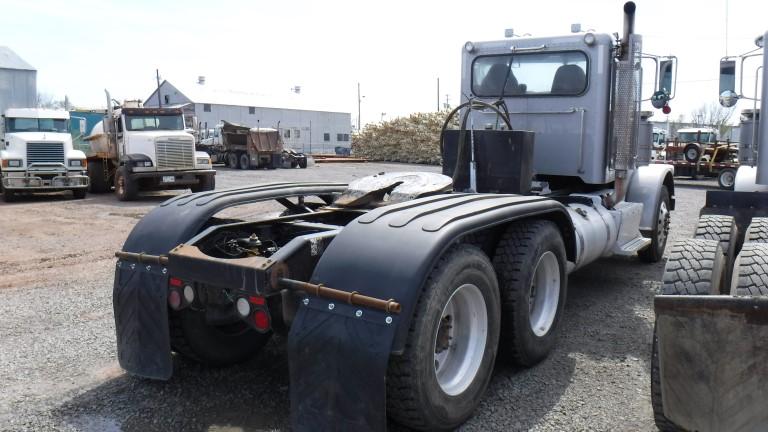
397	290
709	366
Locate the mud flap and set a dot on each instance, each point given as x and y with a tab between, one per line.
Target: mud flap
141	320
713	358
338	366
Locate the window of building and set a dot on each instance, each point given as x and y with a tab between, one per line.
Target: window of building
346	137
339	137
326	136
251	110
167	99
207	107
561	73
297	133
287	133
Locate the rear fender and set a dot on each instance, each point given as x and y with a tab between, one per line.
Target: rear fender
338	362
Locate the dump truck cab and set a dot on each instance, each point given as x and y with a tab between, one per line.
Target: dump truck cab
37	154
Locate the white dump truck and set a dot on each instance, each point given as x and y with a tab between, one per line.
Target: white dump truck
36	154
142	149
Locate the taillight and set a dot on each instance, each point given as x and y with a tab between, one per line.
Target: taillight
180	294
261	320
253	309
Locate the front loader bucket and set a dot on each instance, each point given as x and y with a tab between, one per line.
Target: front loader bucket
713	360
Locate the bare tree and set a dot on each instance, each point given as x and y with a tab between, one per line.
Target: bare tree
45	100
713	115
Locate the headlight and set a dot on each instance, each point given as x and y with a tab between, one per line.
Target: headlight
12	163
142	163
203	161
79	163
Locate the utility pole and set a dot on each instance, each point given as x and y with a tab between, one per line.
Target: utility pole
438	94
159	101
358	107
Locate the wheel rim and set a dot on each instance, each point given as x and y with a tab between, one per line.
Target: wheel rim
460	339
692	153
545	294
662	225
120	185
727	178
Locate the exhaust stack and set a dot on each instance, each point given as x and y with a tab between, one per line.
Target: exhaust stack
762	136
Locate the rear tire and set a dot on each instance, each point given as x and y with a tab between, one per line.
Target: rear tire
97	182
692	152
245	161
303	162
726	179
655	251
232	160
451	345
125	188
694	267
193	338
750	271
724	230
530	265
757	232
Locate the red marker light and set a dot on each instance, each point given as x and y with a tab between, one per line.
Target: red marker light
666	109
175	282
261	320
256	300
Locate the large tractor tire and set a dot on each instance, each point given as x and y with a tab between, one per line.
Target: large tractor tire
530	263
660	232
724	230
750	271
694	267
205	184
692	152
757	232
125	188
211	345
450	349
97	182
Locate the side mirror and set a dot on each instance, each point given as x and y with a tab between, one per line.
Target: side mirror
81	126
728	98
727	76
659	99
666	71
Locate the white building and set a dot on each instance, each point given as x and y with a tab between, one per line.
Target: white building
18	81
304	129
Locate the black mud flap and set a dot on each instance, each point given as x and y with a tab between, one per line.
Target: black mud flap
713	358
338	359
141	320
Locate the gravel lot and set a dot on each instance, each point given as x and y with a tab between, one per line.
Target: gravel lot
58	367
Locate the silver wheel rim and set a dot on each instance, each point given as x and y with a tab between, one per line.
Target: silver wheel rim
662	224
460	339
692	154
727	178
545	294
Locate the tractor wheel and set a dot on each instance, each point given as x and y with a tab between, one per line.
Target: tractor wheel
655	251
245	161
758	230
232	160
303	162
97	182
723	229
726	179
125	188
694	267
451	344
750	271
692	152
205	184
210	345
530	265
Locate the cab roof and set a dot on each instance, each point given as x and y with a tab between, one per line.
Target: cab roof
36	113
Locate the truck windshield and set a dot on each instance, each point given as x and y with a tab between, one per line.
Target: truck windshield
23	124
706	137
530	74
154	122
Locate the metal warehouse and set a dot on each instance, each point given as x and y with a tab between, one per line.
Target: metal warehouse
18	81
307	130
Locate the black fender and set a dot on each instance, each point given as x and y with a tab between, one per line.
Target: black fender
338	361
140	291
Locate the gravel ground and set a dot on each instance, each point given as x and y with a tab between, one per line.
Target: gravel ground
58	367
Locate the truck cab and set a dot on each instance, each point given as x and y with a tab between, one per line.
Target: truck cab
138	148
37	155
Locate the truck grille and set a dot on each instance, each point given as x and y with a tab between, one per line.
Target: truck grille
45	152
175	153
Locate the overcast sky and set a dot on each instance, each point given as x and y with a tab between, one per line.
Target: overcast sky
395	49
